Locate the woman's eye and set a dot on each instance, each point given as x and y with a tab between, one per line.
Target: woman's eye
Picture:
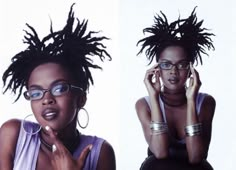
59	89
34	93
165	65
182	65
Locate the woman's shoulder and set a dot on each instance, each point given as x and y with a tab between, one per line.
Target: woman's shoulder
11	127
208	107
208	99
9	133
142	103
107	157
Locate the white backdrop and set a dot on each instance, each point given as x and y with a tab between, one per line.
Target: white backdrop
111	100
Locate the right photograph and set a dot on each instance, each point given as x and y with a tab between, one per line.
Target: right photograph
175	116
177	100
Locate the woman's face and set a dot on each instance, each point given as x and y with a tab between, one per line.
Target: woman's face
174	67
54	111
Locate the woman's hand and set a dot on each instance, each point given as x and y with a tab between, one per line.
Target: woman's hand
61	157
152	80
194	84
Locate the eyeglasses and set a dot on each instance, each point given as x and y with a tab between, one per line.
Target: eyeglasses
55	90
183	65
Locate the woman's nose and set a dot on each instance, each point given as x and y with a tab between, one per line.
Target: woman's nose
48	98
174	70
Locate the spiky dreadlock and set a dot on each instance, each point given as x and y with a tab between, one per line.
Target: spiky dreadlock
183	32
68	47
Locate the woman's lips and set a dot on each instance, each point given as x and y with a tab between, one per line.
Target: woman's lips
173	80
49	114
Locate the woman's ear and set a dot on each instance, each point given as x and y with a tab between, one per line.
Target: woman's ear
82	100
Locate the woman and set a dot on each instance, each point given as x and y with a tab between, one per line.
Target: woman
56	73
176	118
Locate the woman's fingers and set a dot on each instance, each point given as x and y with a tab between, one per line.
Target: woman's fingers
152	79
195	74
190	82
152	73
83	155
51	133
57	145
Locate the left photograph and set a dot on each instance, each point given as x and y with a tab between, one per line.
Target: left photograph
52	77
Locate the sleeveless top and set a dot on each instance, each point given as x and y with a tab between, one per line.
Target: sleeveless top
178	147
27	149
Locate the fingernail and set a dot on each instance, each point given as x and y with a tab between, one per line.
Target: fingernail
47	128
54	148
90	147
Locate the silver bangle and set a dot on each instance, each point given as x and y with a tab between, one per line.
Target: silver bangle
193	130
158	127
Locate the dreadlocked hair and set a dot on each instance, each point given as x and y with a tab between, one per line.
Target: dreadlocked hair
68	47
186	33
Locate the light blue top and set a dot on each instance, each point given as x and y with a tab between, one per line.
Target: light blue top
27	149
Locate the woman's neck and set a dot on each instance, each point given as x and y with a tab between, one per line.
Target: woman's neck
174	98
68	136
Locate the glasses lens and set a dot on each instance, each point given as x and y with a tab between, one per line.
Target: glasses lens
183	65
34	94
165	66
60	89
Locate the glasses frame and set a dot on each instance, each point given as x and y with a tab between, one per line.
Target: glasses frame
43	91
174	65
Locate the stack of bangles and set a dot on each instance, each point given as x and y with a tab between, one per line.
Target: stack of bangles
193	130
158	127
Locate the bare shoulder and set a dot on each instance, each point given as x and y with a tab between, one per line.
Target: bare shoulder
141	105
9	133
10	127
210	100
208	107
106	159
142	109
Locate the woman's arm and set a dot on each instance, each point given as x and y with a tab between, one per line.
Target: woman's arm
198	144
158	144
106	159
9	133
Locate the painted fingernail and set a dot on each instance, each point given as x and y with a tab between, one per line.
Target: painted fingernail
47	128
54	148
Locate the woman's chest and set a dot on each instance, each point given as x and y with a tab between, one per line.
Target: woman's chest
176	119
44	161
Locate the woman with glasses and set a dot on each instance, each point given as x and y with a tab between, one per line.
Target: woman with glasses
176	118
56	74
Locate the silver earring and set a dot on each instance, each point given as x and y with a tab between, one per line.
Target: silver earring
78	119
29	127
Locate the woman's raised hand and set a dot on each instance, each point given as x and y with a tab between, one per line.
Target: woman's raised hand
194	84
152	80
62	158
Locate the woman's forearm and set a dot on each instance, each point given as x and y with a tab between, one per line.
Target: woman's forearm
194	141
159	141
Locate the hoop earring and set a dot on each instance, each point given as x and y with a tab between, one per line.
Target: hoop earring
83	127
29	127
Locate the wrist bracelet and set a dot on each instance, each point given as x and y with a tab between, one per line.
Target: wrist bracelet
193	130
158	127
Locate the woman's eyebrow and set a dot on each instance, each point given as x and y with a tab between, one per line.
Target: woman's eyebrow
165	60
35	86
169	61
